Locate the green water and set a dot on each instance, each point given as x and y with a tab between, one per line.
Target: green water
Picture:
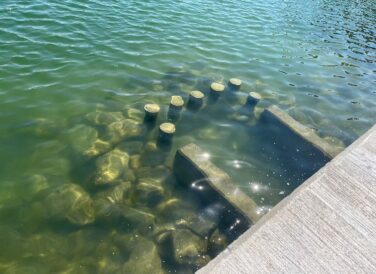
61	60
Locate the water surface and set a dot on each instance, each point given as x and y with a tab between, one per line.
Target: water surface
63	60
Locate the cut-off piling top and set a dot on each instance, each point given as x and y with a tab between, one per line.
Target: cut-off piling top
167	128
255	95
177	101
235	82
197	94
152	108
253	98
217	87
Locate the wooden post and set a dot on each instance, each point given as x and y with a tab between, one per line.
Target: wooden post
235	83
176	106
196	100
151	112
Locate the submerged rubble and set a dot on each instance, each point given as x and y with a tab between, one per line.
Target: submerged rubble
111	166
129	215
71	202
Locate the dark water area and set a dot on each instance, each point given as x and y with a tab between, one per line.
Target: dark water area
84	188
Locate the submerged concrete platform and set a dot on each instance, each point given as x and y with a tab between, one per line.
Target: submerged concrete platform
327	225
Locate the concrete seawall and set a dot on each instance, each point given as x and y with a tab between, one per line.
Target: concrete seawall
327	225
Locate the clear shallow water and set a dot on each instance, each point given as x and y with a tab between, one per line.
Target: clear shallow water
61	61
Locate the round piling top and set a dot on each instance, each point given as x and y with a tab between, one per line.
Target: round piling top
235	82
217	87
152	108
197	94
177	101
167	128
254	95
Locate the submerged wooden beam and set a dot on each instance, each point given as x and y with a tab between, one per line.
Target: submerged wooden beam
277	117
193	165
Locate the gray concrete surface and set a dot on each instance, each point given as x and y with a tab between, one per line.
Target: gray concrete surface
278	117
327	225
192	164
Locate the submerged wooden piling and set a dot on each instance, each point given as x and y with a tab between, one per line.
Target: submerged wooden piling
176	106
166	132
196	99
217	88
252	99
151	112
235	83
177	102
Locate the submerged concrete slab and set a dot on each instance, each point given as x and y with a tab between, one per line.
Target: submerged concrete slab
193	166
278	118
327	225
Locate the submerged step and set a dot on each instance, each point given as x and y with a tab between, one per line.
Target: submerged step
193	168
276	117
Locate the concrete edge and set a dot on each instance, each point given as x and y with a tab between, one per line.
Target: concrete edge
307	134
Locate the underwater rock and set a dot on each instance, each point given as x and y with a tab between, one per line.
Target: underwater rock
111	166
188	248
101	118
208	133
137	219
106	264
48	160
124	129
149	191
144	258
44	245
43	127
33	216
120	192
83	242
109	204
73	268
128	175
126	242
81	137
38	183
175	209
239	117
70	202
217	243
26	266
151	146
131	147
202	226
159	173
161	229
108	257
135	161
153	157
134	114
98	147
11	243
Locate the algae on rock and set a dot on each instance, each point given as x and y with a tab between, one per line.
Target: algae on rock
70	202
111	166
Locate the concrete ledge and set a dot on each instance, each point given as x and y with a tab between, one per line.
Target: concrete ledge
278	117
327	225
192	167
